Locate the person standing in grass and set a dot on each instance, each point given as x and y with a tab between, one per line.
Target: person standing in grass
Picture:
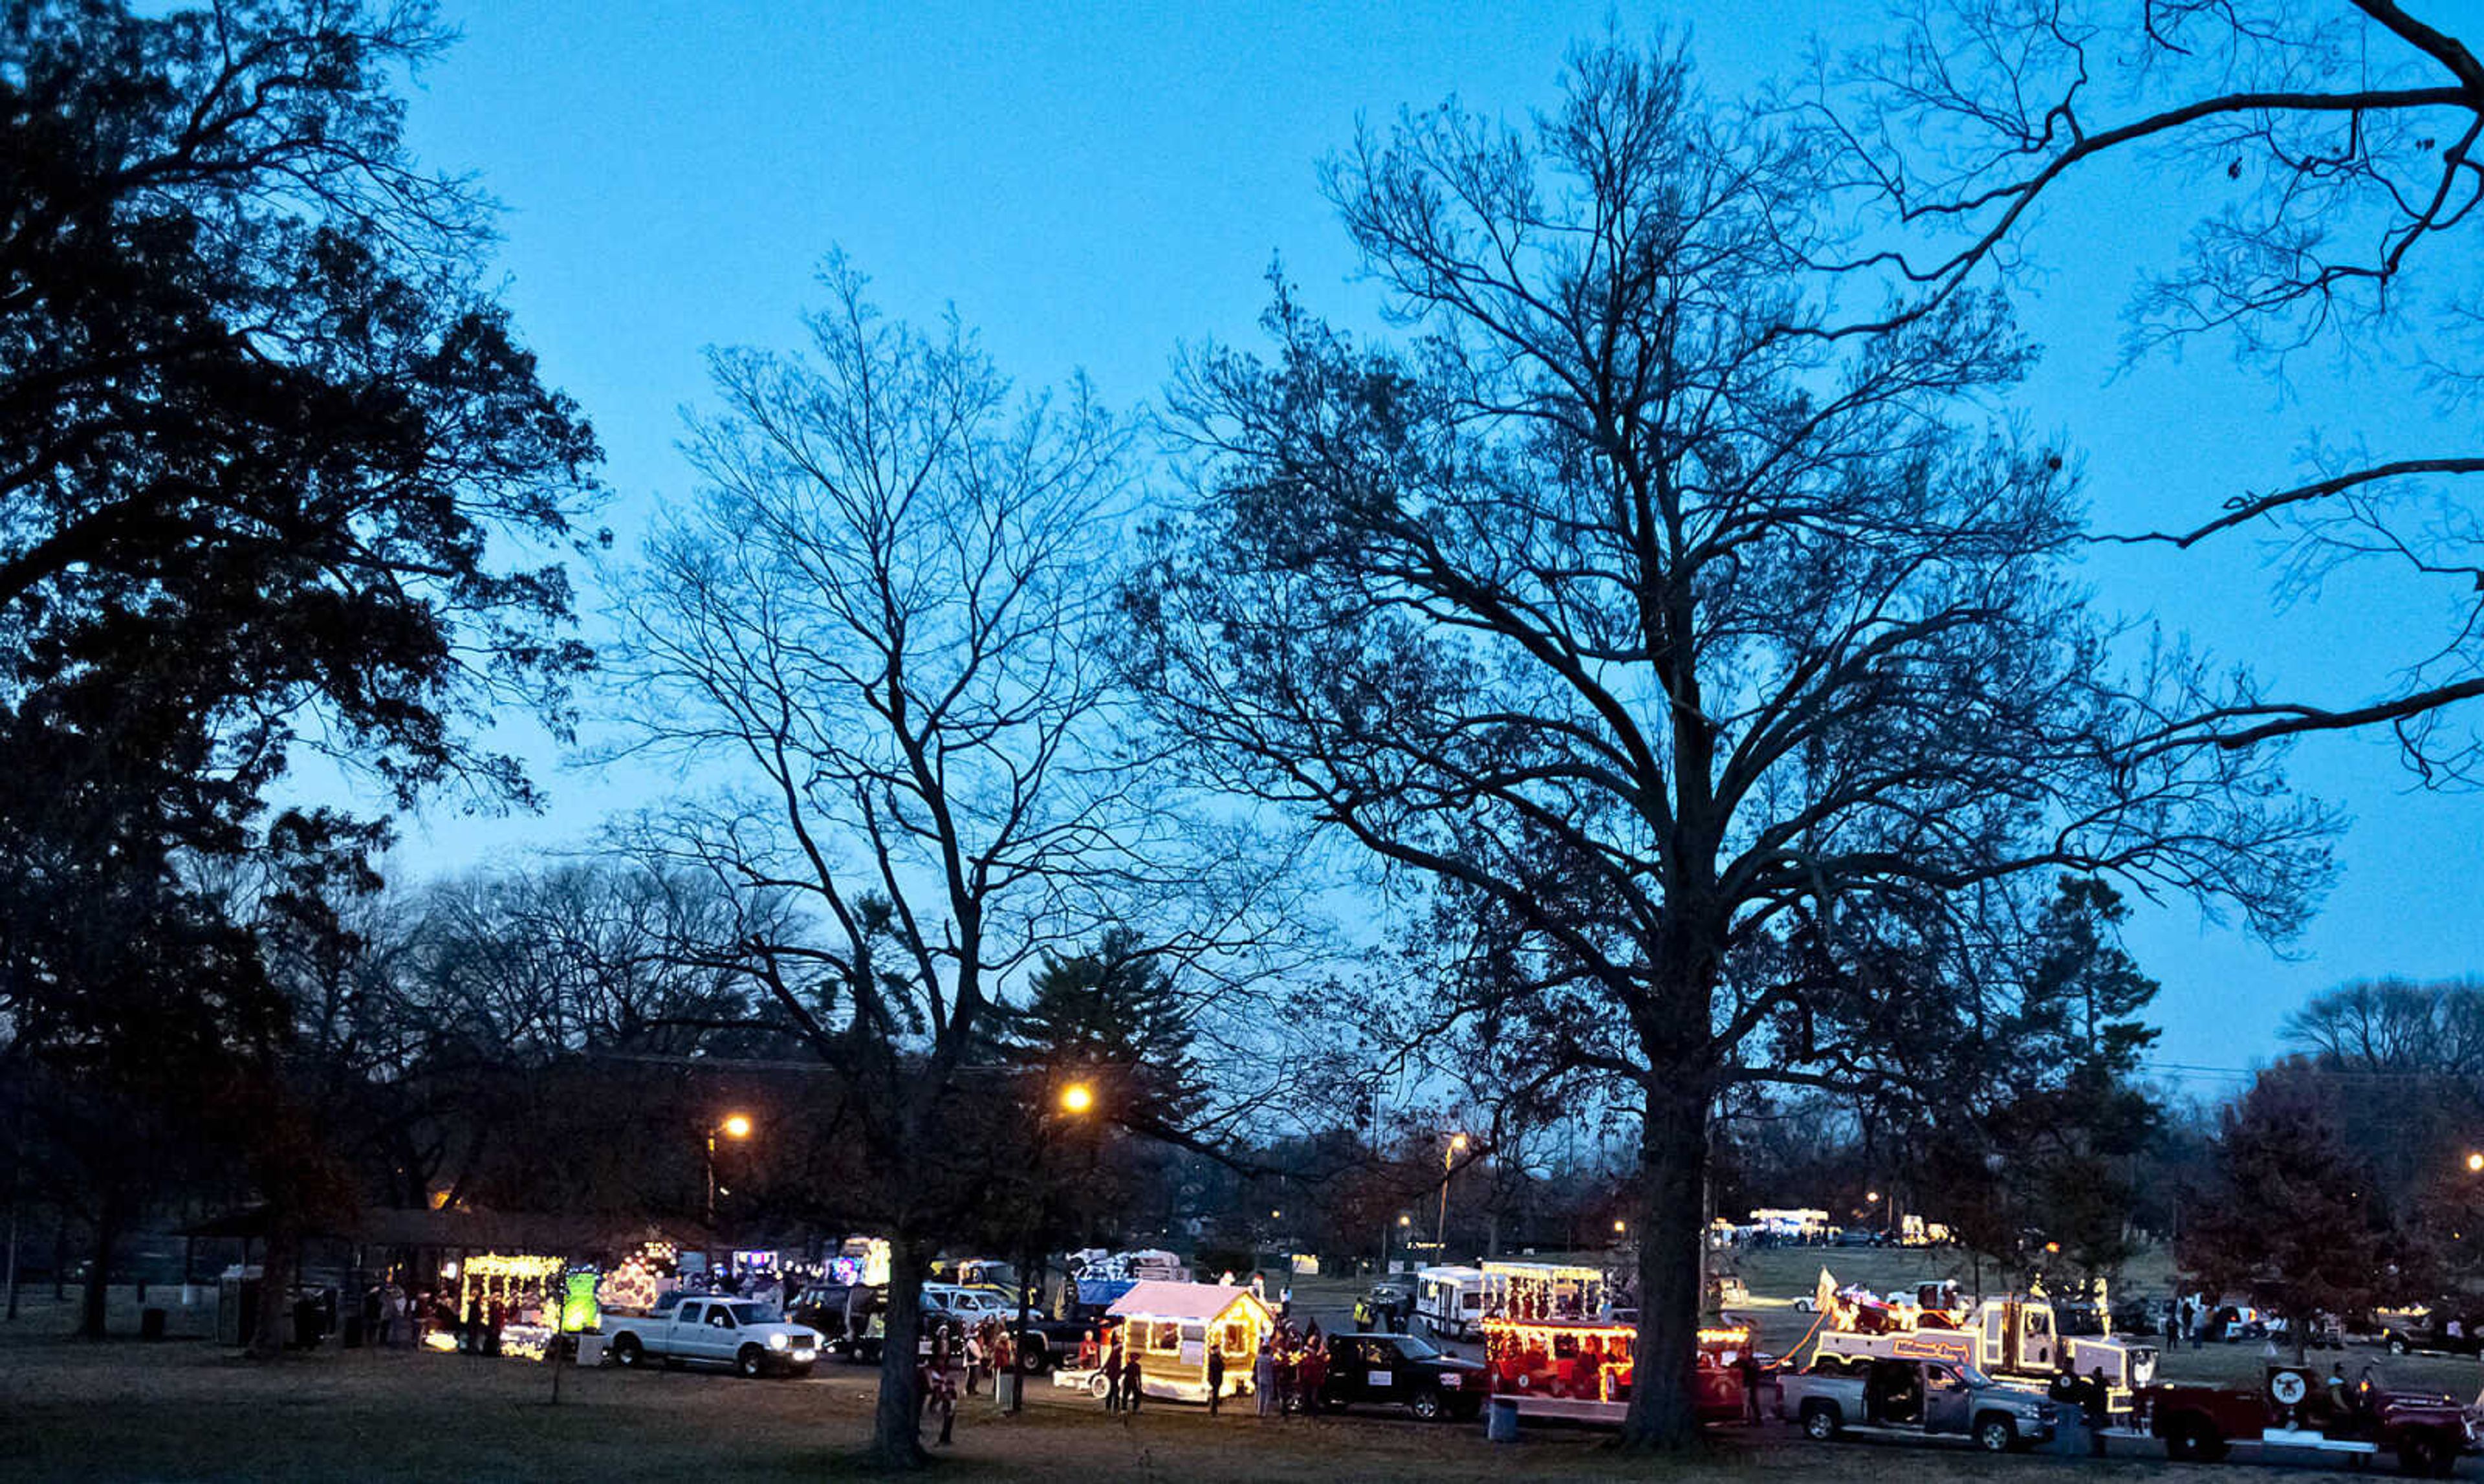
1264	1379
1311	1375
944	1397
2099	1405
1133	1383
1215	1379
1113	1374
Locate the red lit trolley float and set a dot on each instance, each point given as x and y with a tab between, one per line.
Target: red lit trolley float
1552	1342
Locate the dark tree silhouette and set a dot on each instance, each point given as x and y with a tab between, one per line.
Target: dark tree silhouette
881	622
2334	149
2292	1211
2416	1054
262	437
1716	653
1113	1021
2036	1137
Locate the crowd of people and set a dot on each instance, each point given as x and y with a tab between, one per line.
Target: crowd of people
987	1353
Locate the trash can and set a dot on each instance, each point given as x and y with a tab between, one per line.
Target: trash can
1500	1419
1005	1388
150	1324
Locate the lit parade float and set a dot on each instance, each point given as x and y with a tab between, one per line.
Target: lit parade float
1554	1342
517	1287
1169	1326
2012	1339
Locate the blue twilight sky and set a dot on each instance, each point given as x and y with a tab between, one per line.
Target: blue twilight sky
1090	185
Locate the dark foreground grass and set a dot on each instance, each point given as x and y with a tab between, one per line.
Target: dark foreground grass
185	1411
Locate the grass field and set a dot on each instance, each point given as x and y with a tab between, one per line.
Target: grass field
185	1411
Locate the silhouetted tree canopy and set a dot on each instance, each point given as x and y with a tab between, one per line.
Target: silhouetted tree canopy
1725	647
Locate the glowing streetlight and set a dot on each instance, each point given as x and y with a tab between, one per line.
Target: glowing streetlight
1870	1197
1620	1227
2474	1162
734	1125
1077	1097
1404	1221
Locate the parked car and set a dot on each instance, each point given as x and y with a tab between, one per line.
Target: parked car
1401	1370
1388	1305
1904	1398
970	1304
736	1333
1045	1343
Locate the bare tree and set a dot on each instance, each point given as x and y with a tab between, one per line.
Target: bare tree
878	628
2338	142
2392	1025
1725	661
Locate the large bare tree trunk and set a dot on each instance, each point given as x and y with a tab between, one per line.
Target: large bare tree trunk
1672	1162
897	1422
266	1339
94	1295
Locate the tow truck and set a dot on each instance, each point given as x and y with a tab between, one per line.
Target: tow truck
2014	1341
2291	1410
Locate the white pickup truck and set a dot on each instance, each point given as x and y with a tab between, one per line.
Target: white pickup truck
738	1332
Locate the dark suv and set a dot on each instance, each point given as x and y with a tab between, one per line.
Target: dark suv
1401	1370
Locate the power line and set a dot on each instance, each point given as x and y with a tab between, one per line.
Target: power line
2181	1071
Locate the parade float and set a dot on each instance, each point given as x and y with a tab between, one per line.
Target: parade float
1554	1342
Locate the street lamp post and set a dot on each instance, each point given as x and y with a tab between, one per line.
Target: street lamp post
1448	1167
1076	1100
734	1125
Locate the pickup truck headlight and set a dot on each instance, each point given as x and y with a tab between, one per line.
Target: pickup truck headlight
778	1341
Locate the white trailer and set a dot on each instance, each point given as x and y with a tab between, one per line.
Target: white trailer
1449	1301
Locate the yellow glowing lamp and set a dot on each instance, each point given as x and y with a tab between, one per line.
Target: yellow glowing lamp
2475	1163
1077	1097
737	1127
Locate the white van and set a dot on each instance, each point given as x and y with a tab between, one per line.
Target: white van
1449	1301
